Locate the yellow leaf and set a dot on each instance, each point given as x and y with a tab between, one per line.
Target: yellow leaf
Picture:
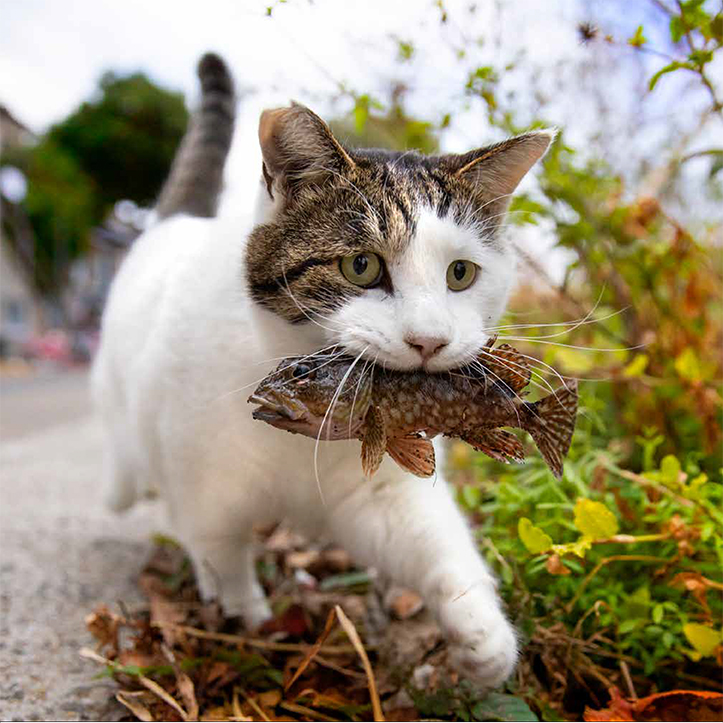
533	538
594	520
705	640
637	366
688	366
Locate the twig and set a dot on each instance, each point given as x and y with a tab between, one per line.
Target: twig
350	630
255	642
254	705
628	680
640	479
308	712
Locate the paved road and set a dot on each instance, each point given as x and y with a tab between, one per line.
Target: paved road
61	552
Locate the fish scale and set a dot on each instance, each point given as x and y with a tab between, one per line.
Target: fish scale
399	413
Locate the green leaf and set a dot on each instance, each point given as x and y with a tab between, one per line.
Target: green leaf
471	496
638	39
501	707
361	113
595	520
676	28
533	538
701	57
716	28
406	50
704	639
670	471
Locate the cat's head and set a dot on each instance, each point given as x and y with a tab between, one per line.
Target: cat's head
396	255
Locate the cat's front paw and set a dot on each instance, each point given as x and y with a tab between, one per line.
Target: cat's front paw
482	645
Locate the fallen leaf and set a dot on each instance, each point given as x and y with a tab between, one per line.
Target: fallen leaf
353	635
313	651
673	705
403	603
555	567
130	699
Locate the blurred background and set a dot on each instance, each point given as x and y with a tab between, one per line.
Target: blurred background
619	233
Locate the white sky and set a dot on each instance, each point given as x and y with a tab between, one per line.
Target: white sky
53	53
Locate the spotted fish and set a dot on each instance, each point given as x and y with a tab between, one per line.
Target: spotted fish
331	397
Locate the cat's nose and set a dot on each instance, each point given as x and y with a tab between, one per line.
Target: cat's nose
427	346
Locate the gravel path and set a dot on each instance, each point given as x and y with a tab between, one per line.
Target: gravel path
61	552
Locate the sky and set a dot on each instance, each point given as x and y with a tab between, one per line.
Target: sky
52	55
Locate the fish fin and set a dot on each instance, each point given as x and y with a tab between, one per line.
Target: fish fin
508	366
551	423
496	443
374	441
415	454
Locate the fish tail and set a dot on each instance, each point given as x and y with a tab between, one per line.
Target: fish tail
551	423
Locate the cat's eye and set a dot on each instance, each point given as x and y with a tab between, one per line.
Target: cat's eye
363	269
301	371
461	274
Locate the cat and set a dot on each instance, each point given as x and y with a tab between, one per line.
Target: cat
394	258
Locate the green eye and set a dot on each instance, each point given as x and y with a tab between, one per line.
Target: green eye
461	274
362	269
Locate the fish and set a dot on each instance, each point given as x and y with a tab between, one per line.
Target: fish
332	396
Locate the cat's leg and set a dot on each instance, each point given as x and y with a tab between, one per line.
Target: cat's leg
411	530
224	567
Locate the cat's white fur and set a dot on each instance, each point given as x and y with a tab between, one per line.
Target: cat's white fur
182	348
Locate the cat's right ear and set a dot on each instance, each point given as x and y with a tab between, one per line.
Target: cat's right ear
298	150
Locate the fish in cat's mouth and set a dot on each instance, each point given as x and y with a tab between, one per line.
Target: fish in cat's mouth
284	413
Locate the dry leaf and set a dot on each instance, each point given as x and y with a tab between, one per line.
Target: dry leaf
403	603
131	700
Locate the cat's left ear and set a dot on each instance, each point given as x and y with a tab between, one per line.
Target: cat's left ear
298	150
496	170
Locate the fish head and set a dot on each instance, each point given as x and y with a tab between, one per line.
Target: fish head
316	395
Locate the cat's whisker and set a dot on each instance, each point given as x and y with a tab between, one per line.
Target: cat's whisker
286	356
504	384
367	362
577	323
573	346
574	324
323	422
260	379
301	309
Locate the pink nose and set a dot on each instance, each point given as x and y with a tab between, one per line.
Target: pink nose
427	346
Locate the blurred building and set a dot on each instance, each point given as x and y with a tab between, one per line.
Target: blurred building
20	311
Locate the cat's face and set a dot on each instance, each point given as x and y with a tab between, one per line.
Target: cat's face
394	256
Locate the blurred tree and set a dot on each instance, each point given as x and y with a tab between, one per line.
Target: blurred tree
119	146
124	141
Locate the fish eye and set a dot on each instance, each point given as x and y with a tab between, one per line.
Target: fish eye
461	274
300	371
364	269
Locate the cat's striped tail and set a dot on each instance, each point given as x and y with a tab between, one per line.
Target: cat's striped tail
194	183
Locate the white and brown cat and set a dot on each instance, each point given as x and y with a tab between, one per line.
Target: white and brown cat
395	257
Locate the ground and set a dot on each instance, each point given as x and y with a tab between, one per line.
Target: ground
61	552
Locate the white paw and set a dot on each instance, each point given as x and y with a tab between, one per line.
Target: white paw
482	645
254	612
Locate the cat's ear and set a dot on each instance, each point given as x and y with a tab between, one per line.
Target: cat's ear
496	170
298	148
